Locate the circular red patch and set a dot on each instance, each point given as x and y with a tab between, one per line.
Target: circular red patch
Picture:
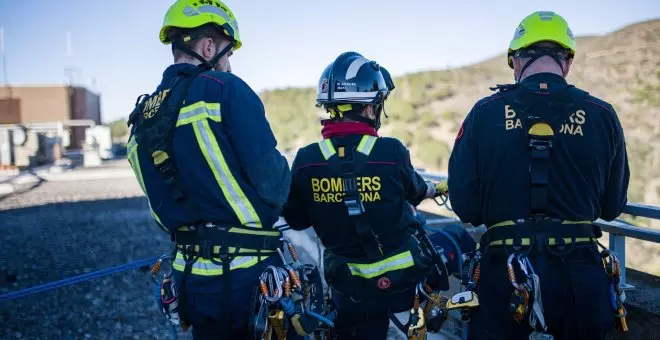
460	132
384	283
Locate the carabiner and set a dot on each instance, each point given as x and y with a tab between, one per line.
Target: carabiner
156	268
512	273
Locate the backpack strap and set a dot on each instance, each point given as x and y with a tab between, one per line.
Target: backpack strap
154	133
541	121
349	165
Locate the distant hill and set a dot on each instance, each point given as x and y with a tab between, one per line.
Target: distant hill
426	108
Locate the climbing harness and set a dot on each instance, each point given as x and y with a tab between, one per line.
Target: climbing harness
617	296
198	239
290	295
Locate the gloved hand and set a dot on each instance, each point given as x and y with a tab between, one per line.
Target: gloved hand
441	188
436	189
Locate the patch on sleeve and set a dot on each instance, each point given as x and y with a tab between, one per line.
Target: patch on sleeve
460	132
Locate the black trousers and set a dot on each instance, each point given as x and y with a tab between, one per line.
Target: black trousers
574	290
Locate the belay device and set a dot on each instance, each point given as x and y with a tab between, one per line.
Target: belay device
290	295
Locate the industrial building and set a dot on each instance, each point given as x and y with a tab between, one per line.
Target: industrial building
41	124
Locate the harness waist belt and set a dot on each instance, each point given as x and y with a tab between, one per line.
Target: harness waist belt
211	237
530	231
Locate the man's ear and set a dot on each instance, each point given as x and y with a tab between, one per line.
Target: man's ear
567	66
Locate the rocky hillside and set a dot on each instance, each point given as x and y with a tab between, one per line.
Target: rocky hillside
427	108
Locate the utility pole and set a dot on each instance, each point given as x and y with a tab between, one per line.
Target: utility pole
3	55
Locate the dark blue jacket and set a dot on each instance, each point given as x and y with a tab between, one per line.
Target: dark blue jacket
489	164
387	182
226	155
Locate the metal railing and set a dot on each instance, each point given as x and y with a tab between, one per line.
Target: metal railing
618	229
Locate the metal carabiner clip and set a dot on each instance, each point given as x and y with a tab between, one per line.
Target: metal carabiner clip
156	268
511	273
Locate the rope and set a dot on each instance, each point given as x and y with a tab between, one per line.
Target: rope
78	279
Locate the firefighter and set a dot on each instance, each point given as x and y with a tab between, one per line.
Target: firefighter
353	187
205	157
536	163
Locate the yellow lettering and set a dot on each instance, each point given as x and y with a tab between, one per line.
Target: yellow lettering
324	199
315	185
317	198
376	183
325	185
376	196
578	130
366	184
366	197
580	117
336	184
518	124
509	113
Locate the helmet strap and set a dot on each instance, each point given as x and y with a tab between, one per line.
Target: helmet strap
535	54
179	44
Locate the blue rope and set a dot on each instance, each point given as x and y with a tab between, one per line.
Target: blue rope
77	279
321	318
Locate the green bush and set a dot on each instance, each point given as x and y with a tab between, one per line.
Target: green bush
118	128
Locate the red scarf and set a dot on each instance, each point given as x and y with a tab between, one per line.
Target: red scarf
337	129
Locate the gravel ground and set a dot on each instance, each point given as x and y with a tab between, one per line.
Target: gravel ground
61	229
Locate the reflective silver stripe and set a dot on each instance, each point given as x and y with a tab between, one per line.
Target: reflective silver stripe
222	172
132	143
366	144
199	110
396	262
354	67
207	268
358	96
326	148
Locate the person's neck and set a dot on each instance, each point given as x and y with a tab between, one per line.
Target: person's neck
537	68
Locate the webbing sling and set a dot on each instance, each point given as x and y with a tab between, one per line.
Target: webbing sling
349	167
540	131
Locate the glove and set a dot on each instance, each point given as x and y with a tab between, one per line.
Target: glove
441	188
436	189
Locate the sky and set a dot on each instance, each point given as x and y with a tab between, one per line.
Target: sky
115	48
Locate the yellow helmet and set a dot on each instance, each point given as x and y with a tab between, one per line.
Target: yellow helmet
542	26
195	13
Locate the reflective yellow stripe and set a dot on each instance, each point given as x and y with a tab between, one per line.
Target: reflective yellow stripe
366	144
400	261
327	149
223	176
216	249
205	267
135	165
199	111
551	241
255	232
510	222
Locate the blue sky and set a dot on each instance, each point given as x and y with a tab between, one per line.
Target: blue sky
286	42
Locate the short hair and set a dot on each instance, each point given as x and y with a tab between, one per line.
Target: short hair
556	49
205	31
